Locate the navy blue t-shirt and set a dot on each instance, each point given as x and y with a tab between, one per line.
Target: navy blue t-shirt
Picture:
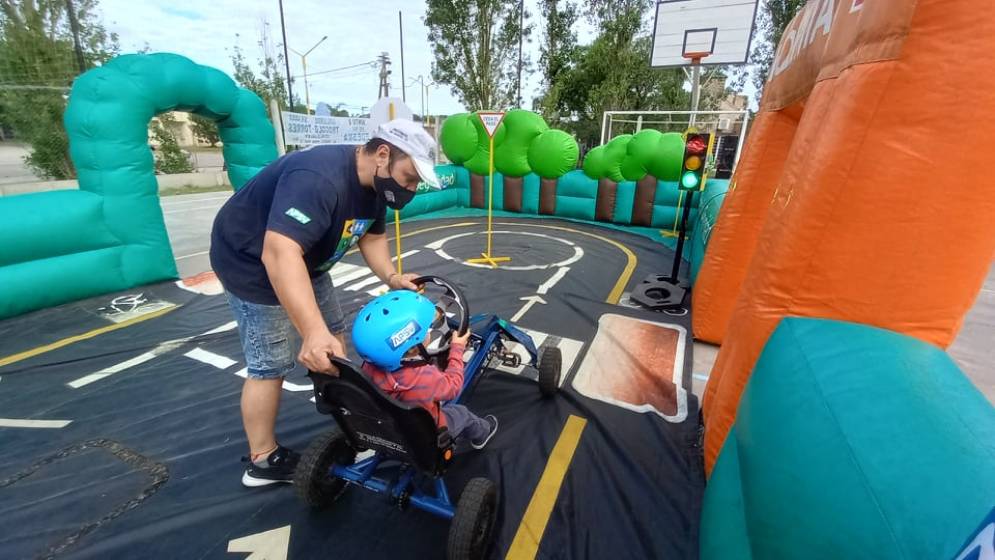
313	197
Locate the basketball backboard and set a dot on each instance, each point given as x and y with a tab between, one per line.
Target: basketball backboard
722	29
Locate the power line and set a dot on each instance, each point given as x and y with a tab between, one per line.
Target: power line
371	64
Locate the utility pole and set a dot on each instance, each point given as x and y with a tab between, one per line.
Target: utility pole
521	34
384	90
74	25
400	29
286	59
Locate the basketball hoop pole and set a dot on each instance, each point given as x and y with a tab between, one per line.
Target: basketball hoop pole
695	86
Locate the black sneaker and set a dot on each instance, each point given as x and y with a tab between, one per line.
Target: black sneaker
279	467
492	420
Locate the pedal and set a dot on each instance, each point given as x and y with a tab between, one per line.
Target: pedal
511	359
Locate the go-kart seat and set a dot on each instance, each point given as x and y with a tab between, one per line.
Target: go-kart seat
373	420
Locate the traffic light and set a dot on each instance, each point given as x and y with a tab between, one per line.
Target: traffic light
693	166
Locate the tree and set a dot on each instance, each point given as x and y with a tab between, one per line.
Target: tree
205	129
37	66
774	17
557	52
613	73
269	84
475	43
169	157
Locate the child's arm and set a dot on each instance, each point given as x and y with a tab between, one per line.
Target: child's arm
448	384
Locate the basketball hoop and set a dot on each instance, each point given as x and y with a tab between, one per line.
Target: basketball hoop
695	57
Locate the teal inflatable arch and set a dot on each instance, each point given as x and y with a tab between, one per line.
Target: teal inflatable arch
109	235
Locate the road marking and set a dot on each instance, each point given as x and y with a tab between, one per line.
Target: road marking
19	423
191	255
630	265
379	290
341	269
159	350
529	302
117	368
171	203
85	336
533	525
548	284
216	360
267	545
569	349
362	284
354	275
287	386
578	250
354	272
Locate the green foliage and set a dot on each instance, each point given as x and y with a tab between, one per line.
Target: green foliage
612	73
475	43
557	52
37	65
205	129
265	77
774	16
169	157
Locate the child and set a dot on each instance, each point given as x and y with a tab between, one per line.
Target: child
391	334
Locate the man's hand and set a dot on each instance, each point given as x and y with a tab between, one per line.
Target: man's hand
403	281
461	338
316	349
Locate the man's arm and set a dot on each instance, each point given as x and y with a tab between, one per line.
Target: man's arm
284	261
376	253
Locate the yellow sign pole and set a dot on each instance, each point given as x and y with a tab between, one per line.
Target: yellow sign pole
397	213
488	257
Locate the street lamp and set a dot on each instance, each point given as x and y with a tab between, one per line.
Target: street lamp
307	91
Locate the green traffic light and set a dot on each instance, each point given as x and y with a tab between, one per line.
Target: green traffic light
689	180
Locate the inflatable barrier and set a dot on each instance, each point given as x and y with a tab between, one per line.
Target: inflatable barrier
109	235
882	211
851	442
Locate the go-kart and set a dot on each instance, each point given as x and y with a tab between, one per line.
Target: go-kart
405	439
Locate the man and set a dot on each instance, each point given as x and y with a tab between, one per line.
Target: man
272	245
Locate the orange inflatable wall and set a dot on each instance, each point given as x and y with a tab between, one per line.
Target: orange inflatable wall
865	192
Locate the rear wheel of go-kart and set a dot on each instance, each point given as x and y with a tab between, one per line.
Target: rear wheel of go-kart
549	371
311	478
473	524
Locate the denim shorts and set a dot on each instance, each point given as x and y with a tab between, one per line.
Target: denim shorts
269	340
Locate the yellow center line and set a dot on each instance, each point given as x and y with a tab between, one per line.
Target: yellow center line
87	335
525	546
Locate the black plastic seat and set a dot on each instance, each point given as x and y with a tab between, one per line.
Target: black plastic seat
373	420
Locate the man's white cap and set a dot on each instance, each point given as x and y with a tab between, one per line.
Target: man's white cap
412	139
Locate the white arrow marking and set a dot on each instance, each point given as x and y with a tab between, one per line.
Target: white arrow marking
18	423
545	287
268	545
529	302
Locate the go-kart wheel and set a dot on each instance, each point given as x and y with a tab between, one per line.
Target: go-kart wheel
311	478
550	363
470	532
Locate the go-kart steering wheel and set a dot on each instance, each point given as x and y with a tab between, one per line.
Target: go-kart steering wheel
451	301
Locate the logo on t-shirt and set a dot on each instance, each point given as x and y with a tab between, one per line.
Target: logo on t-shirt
400	337
298	215
352	230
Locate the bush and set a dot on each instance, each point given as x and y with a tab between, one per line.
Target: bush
169	158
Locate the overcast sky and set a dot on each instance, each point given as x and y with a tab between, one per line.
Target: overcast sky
357	32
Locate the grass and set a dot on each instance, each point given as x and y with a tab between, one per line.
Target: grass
190	189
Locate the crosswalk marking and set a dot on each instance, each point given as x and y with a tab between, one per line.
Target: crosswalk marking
362	284
216	360
354	275
379	290
343	273
569	348
341	269
24	423
287	386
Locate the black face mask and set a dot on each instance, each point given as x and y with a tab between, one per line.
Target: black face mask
393	194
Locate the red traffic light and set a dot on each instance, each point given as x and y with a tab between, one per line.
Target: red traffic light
696	144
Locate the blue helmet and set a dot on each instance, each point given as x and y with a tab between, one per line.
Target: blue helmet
390	325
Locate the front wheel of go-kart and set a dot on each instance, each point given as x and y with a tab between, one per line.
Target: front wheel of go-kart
470	532
311	478
550	363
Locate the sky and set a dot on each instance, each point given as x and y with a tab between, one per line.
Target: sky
357	33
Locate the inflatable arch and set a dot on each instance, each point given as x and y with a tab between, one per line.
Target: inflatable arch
864	191
109	235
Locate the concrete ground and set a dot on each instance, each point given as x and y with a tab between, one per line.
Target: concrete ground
189	219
